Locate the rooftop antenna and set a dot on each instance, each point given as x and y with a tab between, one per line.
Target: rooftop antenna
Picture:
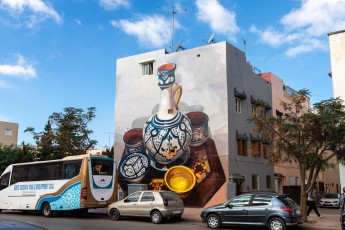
179	46
211	40
244	46
174	11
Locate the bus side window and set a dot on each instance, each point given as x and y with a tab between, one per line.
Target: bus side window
71	169
4	180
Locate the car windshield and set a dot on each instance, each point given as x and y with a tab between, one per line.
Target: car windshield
334	196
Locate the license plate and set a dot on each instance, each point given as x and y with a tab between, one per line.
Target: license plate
176	212
102	202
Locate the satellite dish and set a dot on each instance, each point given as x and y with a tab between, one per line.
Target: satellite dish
179	46
211	40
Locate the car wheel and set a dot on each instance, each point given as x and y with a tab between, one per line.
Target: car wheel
276	224
114	214
156	217
46	210
213	221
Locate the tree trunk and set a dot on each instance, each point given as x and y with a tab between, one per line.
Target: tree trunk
303	205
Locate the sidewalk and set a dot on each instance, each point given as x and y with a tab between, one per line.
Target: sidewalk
326	222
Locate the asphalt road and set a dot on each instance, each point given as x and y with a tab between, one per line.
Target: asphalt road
88	221
35	221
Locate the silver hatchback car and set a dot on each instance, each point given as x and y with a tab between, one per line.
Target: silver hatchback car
157	205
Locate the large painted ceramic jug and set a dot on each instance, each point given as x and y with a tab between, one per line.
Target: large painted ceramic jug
167	134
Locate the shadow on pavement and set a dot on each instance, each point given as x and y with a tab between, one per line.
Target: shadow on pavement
15	225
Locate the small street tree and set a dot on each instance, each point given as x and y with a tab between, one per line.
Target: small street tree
65	134
310	139
10	154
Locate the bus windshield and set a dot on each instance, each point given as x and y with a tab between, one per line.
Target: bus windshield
102	167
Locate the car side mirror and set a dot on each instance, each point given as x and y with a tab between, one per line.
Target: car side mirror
229	206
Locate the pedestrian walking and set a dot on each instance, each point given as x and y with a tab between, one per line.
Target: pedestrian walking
342	208
311	203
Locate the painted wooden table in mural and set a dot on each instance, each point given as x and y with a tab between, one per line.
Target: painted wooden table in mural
205	164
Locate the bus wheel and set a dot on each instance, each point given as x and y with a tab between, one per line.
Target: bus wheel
46	210
114	214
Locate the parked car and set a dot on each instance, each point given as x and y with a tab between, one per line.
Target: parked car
330	200
156	205
254	209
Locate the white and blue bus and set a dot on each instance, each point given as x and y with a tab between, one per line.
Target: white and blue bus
73	183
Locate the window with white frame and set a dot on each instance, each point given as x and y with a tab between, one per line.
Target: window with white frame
8	132
238	105
147	68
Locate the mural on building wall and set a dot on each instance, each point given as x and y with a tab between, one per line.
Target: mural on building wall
173	150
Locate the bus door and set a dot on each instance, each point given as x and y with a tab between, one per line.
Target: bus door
101	175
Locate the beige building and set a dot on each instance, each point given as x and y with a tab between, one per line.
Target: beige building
287	173
8	133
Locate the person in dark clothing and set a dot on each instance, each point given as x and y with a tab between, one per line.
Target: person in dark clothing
311	203
342	209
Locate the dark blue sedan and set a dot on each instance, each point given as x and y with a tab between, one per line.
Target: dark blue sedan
254	209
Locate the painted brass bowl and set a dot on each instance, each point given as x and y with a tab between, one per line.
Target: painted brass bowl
179	179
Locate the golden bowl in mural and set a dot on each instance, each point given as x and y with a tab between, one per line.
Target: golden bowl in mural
179	179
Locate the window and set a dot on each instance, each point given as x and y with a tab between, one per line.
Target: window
253	110
242	147
71	169
102	167
238	105
265	150
133	197
240	201
147	196
268	181
147	68
4	180
169	196
255	182
262	200
256	148
8	132
292	180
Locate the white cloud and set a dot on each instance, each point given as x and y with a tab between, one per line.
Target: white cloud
114	4
21	69
305	28
31	12
220	19
151	31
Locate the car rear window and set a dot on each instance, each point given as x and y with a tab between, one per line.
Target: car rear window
287	200
169	196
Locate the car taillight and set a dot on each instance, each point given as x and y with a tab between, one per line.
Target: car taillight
83	194
165	202
286	209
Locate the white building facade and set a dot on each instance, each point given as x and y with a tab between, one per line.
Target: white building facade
337	52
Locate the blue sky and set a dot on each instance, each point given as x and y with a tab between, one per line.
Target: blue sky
62	53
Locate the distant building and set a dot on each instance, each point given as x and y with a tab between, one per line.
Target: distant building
337	53
287	173
8	133
218	81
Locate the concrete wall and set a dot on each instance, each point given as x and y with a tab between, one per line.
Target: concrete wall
8	133
337	53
